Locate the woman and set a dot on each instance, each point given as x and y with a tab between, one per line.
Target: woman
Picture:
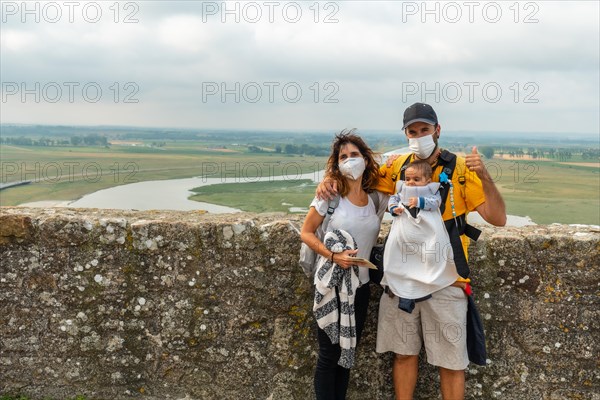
353	168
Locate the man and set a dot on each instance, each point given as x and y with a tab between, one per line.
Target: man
472	189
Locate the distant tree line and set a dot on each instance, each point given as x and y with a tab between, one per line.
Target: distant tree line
88	140
161	135
591	154
26	141
559	154
255	149
303	149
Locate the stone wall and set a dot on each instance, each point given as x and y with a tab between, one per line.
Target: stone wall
185	305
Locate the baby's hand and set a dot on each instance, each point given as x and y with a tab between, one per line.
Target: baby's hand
413	201
396	210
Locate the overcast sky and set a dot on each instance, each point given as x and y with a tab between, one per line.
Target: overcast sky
484	66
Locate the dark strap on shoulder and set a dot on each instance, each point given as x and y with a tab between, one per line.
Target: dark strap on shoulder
403	168
400	176
448	162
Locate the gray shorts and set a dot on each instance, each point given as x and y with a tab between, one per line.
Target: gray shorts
440	322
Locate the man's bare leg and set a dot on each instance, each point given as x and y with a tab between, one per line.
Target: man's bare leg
452	383
404	371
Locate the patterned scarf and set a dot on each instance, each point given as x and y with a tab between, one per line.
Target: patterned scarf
339	324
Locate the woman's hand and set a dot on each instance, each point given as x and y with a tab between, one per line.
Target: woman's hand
345	259
327	189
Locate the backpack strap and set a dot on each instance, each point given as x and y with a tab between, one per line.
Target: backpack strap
457	226
375	197
448	162
331	206
399	174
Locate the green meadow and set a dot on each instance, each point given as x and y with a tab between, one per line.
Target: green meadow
550	192
546	191
259	196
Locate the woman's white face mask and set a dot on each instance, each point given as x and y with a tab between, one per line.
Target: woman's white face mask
423	147
352	168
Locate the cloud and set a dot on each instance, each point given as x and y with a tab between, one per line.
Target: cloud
16	41
184	33
366	56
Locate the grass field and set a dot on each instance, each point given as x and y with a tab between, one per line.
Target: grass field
259	196
546	191
550	191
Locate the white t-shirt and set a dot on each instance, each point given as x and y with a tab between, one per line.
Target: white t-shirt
362	223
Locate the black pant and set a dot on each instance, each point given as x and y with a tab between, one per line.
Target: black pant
331	380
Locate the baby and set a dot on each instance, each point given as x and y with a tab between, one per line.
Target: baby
417	173
418	258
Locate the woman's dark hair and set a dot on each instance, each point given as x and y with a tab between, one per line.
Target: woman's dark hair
371	174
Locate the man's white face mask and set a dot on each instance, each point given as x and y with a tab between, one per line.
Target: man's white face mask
352	168
423	147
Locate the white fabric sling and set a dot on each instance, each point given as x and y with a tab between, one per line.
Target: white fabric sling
418	257
337	322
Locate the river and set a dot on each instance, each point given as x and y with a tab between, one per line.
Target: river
169	194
